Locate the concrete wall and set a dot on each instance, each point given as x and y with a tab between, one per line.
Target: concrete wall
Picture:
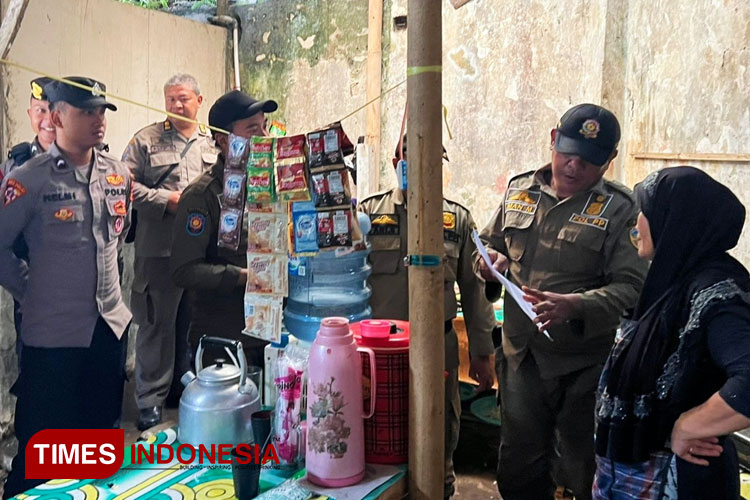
674	73
133	51
687	90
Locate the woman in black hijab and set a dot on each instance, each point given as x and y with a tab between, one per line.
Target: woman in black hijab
677	381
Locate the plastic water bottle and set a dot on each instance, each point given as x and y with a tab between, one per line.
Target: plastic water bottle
329	284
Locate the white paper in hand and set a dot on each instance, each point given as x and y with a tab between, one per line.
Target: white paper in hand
510	287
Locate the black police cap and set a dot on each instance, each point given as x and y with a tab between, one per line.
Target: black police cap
589	131
236	105
37	88
78	97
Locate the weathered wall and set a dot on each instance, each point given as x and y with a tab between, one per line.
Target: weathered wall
133	51
674	73
687	90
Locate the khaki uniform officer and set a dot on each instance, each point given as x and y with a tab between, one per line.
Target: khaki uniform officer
71	205
389	281
164	158
565	230
213	276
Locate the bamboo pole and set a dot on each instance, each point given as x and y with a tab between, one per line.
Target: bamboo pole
374	87
425	211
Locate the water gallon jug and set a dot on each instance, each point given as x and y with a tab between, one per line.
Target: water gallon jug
335	448
387	432
330	284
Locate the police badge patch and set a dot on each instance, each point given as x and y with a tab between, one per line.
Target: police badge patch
13	191
195	224
118	225
634	236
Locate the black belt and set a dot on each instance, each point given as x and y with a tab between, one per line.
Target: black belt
448	325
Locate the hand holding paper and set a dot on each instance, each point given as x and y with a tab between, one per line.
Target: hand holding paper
510	288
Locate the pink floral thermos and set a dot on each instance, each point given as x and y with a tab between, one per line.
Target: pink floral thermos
335	430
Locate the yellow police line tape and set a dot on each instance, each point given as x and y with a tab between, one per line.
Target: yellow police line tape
108	94
180	117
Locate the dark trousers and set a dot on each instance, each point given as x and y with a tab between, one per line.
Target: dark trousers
547	433
67	388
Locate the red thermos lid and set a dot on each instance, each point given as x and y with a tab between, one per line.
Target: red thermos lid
381	333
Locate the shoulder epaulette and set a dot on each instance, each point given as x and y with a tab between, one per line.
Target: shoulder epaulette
202	182
21	153
376	195
155	124
522	174
457	204
621	188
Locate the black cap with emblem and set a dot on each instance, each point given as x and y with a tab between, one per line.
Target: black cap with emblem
86	98
236	105
589	131
37	88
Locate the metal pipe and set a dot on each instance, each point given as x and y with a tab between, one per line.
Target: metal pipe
230	22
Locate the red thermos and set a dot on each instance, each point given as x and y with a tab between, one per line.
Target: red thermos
387	432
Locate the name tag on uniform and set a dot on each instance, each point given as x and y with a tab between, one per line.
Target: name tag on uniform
522	200
160	148
590	220
384	225
595	206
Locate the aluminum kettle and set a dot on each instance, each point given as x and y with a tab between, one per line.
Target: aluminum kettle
216	405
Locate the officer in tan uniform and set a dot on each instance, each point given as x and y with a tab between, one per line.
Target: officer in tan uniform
71	205
215	277
564	233
389	281
164	158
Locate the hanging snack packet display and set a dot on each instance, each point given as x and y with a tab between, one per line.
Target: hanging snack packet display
304	228
230	228
289	147
238	152
261	152
267	274
335	228
260	185
263	317
328	147
234	189
266	232
291	180
331	189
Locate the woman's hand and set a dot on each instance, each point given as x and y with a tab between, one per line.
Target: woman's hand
691	450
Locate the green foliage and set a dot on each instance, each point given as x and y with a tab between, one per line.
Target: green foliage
148	4
197	4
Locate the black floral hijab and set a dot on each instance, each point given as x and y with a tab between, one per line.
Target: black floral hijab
694	220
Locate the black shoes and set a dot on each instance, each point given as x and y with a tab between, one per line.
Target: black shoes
149	417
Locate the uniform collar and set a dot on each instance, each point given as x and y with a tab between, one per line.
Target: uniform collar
36	147
61	165
542	177
168	128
